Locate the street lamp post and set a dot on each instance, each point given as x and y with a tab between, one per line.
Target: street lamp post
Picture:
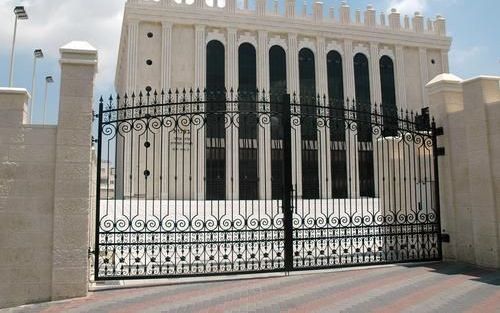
21	14
37	54
48	80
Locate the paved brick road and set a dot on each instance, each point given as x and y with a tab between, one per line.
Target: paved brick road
427	288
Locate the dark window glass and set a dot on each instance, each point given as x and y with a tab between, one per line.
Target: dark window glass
363	107
389	108
215	129
248	122
363	101
337	124
277	77
310	170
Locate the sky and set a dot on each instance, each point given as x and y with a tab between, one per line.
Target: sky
474	26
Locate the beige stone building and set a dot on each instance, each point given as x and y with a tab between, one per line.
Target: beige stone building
339	53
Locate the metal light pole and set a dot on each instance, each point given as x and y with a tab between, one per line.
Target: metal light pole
37	54
48	80
20	15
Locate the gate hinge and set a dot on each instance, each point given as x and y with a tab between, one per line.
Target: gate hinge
439	131
94	115
445	238
93	140
440	151
91	252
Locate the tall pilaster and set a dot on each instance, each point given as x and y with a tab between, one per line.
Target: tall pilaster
132	51
232	59
264	143
293	64
199	135
324	153
166	55
232	135
294	88
424	75
349	87
200	57
263	61
376	96
351	138
400	78
376	90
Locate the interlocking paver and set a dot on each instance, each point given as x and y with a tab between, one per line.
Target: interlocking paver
440	287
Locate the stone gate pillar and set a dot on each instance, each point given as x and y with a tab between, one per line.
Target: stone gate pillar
72	179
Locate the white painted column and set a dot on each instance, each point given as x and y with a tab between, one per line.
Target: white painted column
424	76
351	138
166	55
294	88
232	135
199	155
324	153
400	78
264	129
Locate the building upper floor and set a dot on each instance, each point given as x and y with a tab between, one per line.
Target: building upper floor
164	44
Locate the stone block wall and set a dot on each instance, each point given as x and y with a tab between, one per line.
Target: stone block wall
469	112
44	189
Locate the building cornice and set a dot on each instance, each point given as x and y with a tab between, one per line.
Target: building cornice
187	15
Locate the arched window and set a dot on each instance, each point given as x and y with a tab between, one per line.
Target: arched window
277	78
363	100
337	125
363	107
248	122
310	171
215	128
389	108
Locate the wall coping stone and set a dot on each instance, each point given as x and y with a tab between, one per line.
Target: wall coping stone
15	91
482	77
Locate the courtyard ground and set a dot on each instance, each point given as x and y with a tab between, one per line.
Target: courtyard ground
439	287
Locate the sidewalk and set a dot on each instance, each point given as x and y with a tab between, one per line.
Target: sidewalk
443	287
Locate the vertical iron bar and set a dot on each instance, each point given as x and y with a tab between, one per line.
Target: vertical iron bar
287	182
436	187
98	190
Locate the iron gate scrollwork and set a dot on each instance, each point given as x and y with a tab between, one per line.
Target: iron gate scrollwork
186	185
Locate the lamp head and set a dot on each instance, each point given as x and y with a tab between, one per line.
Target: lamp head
20	13
38	53
49	79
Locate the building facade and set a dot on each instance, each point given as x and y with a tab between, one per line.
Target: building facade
375	58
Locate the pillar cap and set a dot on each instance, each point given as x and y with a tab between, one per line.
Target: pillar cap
78	52
444	82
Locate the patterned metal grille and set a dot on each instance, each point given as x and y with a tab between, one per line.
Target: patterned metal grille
158	215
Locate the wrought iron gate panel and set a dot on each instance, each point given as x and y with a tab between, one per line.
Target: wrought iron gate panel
170	192
159	222
389	217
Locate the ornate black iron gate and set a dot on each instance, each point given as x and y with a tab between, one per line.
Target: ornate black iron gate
187	185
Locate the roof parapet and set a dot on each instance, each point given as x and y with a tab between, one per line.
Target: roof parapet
368	18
